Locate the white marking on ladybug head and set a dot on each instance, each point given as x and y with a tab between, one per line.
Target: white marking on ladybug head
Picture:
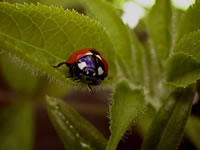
88	53
98	57
94	74
82	65
87	72
100	71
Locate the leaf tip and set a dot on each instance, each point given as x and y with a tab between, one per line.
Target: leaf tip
51	102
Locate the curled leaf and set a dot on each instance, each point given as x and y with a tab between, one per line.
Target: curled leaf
127	106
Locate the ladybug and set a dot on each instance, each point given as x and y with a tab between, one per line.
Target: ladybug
87	64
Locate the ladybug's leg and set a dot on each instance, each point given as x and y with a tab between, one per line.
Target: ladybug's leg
70	72
90	88
60	64
77	73
94	82
77	80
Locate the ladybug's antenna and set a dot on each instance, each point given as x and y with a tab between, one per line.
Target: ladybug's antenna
60	64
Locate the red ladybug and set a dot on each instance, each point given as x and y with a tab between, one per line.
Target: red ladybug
87	64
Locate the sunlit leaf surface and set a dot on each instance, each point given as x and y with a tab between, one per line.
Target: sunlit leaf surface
44	36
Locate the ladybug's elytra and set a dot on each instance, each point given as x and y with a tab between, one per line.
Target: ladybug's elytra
88	64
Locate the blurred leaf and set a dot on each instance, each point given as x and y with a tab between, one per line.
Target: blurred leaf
118	32
167	127
177	16
159	26
140	62
119	3
75	132
127	106
193	130
17	77
145	60
43	36
183	67
16	127
189	21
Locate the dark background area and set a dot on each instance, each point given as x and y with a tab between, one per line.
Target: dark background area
93	107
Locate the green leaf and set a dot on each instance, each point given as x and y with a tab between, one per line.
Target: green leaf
193	130
64	3
167	127
16	127
189	21
189	45
118	32
127	106
17	77
176	21
140	62
75	132
20	1
44	36
183	71
144	123
145	60
183	67
159	26
119	3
